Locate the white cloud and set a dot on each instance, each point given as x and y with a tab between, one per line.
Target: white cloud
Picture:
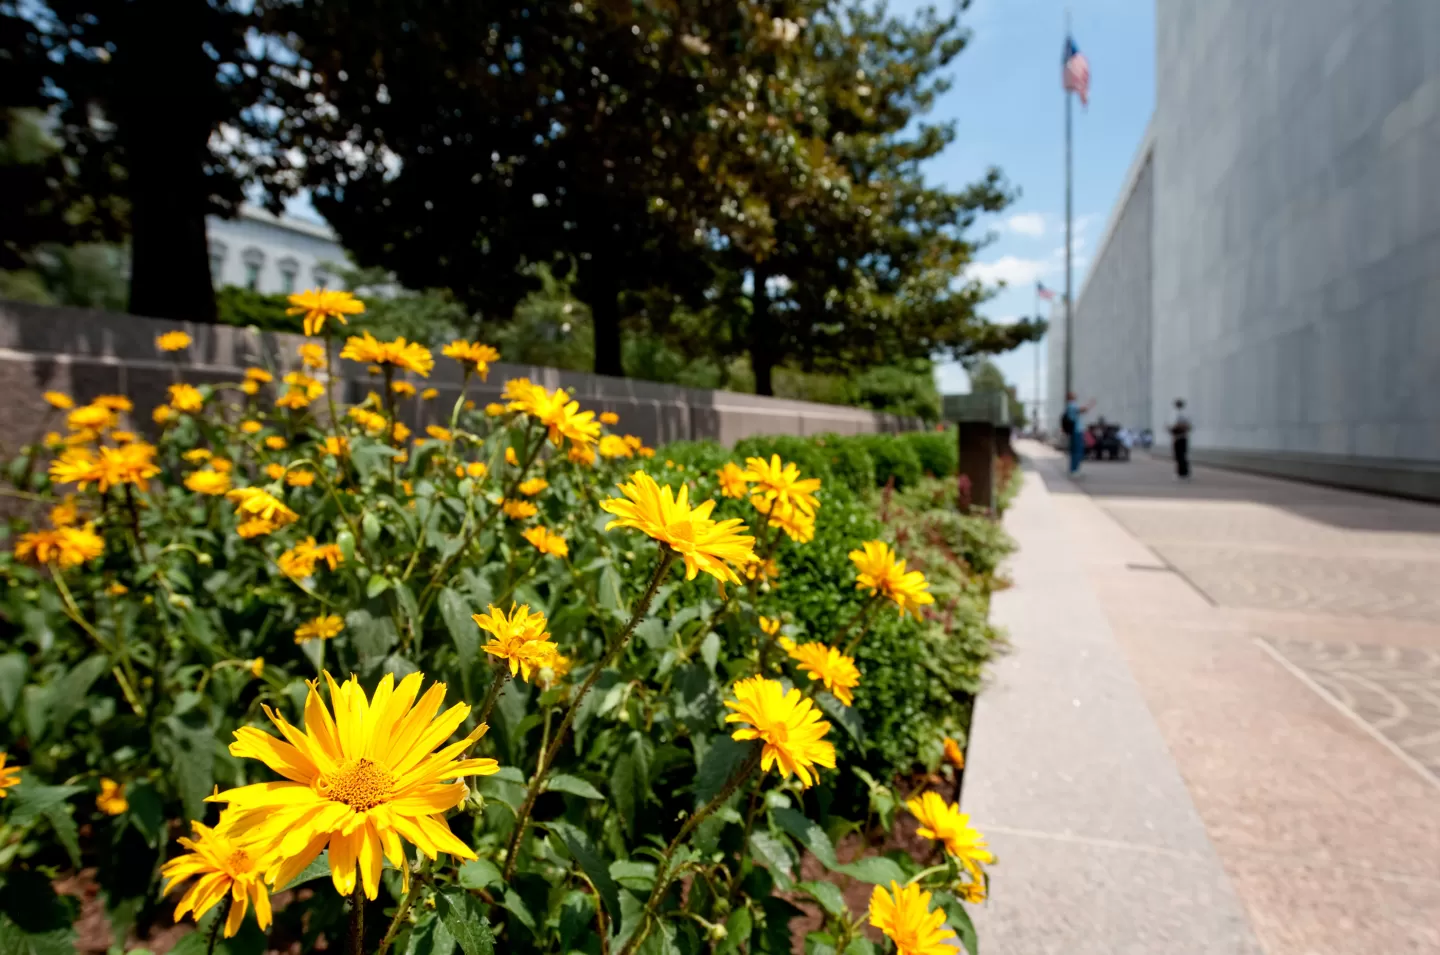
1027	223
1010	269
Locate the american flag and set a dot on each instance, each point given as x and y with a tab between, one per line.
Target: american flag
1076	74
1044	292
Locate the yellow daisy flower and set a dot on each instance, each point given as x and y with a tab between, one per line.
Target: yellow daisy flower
494	409
479	355
438	433
519	639
300	478
257	667
533	486
704	544
9	776
186	398
58	399
66	513
319	304
953	754
609	417
429	394
320	628
259	375
275	443
518	510
904	915
880	573
196	455
614	446
403	388
225	867
162	414
775	481
259	503
208	481
582	454
116	403
311	355
274	471
359	781
797	525
173	341
825	664
66	547
732	480
335	446
946	824
111	801
788	724
251	427
547	542
411	356
91	417
255	527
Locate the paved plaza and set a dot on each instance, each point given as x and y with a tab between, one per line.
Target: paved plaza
1217	728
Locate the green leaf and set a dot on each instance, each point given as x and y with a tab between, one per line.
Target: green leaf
877	870
710	649
592	864
775	856
13	667
722	760
959	920
863	946
577	918
639	876
609	591
147	811
808	834
430	937
456	614
30	800
480	874
319	869
652	631
846	716
829	896
191	752
68	693
625	789
516	906
406	598
63	825
565	783
460	912
377	585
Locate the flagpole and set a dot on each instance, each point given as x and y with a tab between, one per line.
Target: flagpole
1035	425
1069	307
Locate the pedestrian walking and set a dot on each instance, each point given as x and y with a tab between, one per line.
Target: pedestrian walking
1072	424
1180	440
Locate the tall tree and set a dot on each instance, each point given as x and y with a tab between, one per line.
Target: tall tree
150	99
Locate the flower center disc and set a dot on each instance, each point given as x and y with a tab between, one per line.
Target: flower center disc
360	783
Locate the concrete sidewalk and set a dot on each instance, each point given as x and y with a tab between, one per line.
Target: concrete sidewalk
1213	730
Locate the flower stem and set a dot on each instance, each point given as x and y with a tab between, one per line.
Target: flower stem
215	926
663	876
862	616
357	922
501	677
522	818
408	900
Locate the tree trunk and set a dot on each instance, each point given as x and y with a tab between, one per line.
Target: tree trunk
604	300
166	150
762	337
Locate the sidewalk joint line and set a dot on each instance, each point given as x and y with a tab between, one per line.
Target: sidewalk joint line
1093	841
1355	718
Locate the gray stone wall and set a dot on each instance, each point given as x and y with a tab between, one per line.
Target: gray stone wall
86	353
1297	226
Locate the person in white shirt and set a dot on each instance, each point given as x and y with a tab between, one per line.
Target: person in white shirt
1180	440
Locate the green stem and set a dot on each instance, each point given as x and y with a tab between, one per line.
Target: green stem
389	400
522	818
502	676
663	876
72	610
357	922
406	902
216	926
863	614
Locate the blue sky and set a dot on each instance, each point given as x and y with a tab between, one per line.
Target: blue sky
1007	103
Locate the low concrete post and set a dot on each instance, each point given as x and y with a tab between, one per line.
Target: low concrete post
977	462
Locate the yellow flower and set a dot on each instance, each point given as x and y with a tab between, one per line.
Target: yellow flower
300	560
300	478
905	916
438	433
403	388
411	356
251	427
582	454
259	375
162	414
373	370
111	801
429	394
257	667
336	446
275	443
519	639
472	353
58	399
732	480
196	455
66	513
207	481
258	503
255	527
953	754
476	470
946	824
221	464
880	573
320	628
359	781
123	437
511	459
614	446
186	398
117	589
130	464
518	510
776	482
494	409
645	452
547	542
797	525
250	387
295	399
9	776
91	417
311	355
66	547
367	419
319	304
52	439
225	867
769	625
114	403
173	341
275	471
826	664
401	432
705	545
533	486
788	724
609	417
555	410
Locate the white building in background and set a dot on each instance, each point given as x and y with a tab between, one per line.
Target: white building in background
272	254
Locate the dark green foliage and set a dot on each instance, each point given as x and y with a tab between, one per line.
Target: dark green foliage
900	390
895	459
849	462
699	455
939	451
235	305
805	452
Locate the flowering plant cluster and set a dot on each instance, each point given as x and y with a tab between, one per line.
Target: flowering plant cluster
418	676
